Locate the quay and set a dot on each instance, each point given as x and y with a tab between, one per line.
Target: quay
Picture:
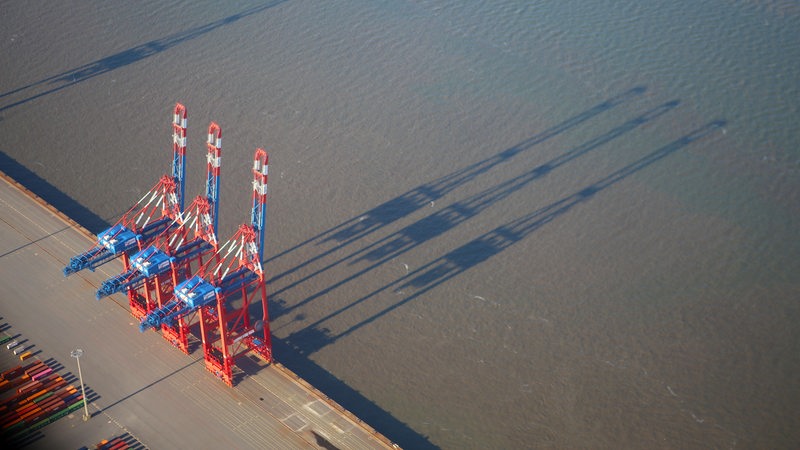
137	385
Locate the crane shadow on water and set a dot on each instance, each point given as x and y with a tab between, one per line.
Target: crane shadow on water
346	237
459	212
391	211
295	349
417	283
121	59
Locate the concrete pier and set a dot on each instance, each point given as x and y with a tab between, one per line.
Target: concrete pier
137	384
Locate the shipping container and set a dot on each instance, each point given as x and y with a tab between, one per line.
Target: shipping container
16	382
28	411
11	373
48	378
118	445
34	365
22	410
54	400
35	410
56	384
12	424
27	387
36	369
40	396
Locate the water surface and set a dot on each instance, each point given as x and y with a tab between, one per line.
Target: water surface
492	224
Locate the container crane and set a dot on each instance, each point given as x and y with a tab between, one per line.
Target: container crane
154	213
223	290
175	253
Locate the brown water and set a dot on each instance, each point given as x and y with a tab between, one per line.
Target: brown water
492	224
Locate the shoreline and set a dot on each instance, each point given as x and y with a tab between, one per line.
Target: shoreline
280	368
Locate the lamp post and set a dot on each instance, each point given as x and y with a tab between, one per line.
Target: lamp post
77	353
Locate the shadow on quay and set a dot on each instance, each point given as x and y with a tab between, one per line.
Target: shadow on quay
23	441
32	242
149	385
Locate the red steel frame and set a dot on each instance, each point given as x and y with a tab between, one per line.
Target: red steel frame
142	303
197	223
137	224
223	291
227	330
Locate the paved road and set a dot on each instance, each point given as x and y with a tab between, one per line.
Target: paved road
139	384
